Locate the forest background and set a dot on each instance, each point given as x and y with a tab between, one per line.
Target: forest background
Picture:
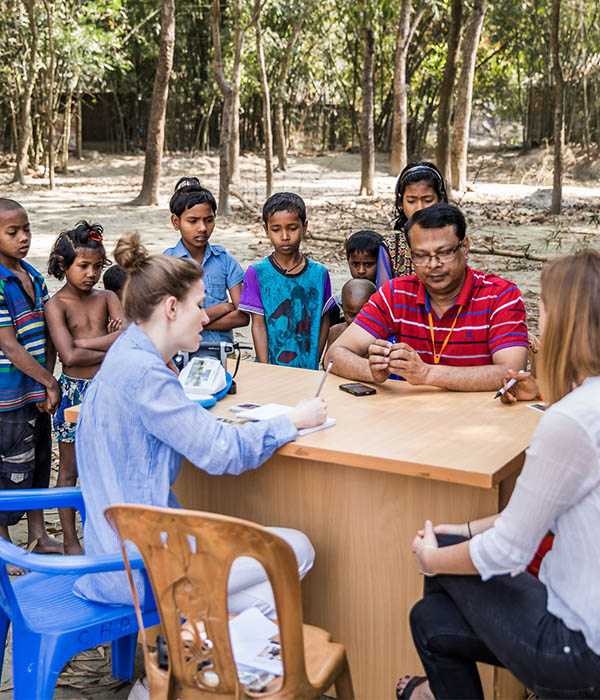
334	96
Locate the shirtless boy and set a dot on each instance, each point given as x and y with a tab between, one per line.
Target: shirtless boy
355	294
83	323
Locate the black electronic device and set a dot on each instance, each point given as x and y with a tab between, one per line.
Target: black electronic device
357	389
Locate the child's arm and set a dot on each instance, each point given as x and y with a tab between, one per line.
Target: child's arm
216	311
329	302
100	344
68	352
103	342
50	353
21	359
233	319
334	333
259	336
323	332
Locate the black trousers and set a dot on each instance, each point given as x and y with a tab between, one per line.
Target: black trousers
25	453
503	622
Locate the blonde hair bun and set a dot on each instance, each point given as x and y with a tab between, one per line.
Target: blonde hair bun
130	254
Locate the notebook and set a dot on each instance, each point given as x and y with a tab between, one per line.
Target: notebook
271	410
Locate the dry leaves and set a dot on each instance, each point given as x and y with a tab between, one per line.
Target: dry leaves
91	672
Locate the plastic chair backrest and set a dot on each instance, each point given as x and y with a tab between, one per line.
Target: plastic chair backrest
188	556
8	600
27	499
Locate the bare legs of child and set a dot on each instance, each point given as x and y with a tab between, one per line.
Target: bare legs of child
44	543
37	535
12	570
67	476
33	474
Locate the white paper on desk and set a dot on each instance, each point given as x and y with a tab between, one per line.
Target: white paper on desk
250	633
327	424
271	410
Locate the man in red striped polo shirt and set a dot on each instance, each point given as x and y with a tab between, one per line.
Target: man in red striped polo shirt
447	326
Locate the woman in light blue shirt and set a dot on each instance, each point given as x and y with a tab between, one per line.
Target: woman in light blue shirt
136	424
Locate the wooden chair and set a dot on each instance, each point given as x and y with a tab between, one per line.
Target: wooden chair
188	556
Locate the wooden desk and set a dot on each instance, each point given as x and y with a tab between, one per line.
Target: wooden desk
361	489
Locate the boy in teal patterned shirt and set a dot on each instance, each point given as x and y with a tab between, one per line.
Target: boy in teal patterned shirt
287	294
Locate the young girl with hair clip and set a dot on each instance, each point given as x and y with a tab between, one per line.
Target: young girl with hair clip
418	186
479	603
83	323
136	424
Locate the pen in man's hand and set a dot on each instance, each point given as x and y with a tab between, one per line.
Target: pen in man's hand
509	385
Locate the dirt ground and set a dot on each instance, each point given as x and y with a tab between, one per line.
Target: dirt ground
506	206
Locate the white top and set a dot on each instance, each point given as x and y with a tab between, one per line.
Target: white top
558	490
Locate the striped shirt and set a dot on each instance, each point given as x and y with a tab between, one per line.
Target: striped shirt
492	318
26	317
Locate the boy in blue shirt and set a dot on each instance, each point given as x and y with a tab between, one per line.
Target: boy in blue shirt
193	209
287	294
28	390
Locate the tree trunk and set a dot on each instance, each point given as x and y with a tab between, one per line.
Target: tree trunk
123	133
66	135
559	118
14	130
404	34
464	96
37	140
266	100
79	140
280	139
367	141
156	123
234	148
25	128
442	148
297	23
50	105
227	90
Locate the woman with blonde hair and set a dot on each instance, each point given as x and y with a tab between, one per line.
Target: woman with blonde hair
136	425
478	603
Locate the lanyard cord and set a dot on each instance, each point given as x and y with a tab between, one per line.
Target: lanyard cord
436	357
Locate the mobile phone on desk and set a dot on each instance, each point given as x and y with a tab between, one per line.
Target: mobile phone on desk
238	408
357	389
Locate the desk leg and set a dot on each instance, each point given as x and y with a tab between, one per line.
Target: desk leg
361	523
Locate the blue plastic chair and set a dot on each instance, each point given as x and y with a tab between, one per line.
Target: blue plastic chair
50	623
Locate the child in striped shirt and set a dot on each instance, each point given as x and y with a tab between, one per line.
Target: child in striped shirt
28	391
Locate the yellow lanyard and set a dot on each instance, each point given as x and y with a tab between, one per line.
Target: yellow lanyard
437	358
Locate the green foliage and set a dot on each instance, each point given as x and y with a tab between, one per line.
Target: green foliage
110	47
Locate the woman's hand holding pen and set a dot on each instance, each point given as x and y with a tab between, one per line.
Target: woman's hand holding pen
309	413
525	387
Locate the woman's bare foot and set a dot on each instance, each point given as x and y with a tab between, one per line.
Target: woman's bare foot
45	545
420	690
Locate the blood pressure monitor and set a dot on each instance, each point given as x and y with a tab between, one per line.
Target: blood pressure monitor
202	378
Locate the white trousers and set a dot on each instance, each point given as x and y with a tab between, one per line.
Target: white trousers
248	585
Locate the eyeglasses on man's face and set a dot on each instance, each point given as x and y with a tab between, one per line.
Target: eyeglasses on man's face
442	256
